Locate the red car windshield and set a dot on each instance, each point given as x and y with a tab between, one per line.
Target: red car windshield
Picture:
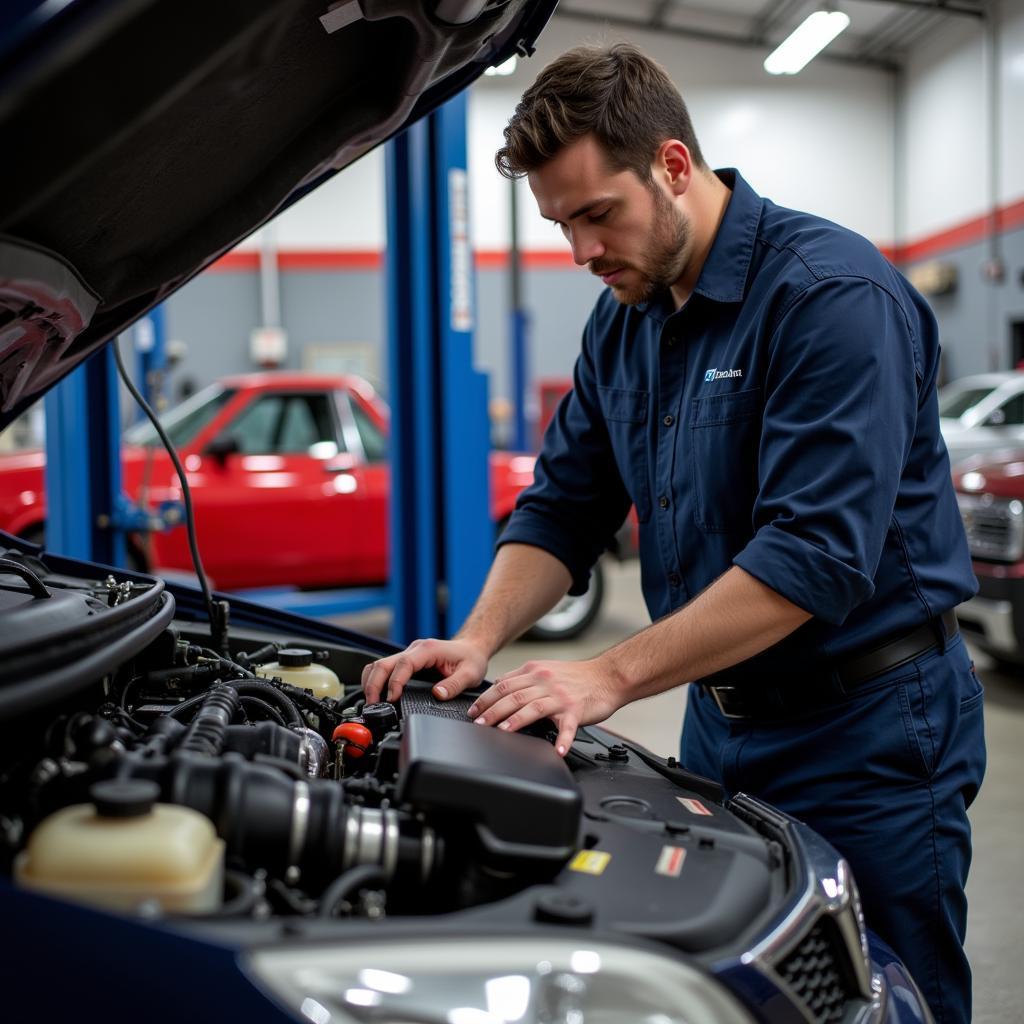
184	421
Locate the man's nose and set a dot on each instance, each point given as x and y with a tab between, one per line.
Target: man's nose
586	246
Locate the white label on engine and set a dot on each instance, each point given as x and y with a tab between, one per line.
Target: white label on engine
670	862
693	806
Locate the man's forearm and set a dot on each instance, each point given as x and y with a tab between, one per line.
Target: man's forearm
523	584
734	619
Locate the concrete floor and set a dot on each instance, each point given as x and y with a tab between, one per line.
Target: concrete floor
995	890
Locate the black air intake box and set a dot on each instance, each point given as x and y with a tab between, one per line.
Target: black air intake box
513	791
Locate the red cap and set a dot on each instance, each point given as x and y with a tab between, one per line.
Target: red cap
357	738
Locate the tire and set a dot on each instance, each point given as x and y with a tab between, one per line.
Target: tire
572	616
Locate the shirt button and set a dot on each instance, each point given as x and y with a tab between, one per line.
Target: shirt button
663	502
674	579
668	421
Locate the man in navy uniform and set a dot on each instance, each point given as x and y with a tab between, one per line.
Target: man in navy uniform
760	384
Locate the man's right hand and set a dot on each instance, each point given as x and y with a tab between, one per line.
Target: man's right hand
461	663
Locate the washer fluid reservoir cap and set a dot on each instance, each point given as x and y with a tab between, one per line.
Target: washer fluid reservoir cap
294	657
124	798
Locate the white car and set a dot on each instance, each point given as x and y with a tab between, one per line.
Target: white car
982	413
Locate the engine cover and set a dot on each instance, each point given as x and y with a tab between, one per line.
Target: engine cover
514	791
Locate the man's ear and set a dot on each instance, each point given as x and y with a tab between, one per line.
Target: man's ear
673	166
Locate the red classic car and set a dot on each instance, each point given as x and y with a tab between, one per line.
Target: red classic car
308	450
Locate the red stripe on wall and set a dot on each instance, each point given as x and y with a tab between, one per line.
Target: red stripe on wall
304	259
370	259
970	232
1006	218
235	260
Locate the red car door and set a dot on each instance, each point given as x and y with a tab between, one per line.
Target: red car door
279	503
365	431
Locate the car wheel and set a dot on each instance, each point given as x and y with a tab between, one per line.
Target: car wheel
572	615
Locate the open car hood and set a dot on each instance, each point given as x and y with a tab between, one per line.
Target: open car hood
145	138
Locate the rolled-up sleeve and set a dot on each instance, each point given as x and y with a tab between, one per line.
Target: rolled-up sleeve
577	499
840	412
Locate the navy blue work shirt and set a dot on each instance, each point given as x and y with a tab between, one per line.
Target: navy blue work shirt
784	420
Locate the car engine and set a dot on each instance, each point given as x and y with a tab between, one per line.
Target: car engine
232	784
318	803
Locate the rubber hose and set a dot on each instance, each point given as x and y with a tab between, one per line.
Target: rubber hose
271	694
208	729
355	878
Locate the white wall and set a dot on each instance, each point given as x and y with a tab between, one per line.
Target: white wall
346	212
821	141
945	177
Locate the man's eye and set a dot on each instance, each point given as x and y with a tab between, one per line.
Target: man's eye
596	218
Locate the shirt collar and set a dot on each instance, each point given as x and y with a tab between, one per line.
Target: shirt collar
723	278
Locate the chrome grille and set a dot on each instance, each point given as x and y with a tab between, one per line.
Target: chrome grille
814	972
995	527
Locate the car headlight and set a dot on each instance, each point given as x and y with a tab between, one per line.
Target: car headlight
492	980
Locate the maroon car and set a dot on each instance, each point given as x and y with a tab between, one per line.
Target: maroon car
990	491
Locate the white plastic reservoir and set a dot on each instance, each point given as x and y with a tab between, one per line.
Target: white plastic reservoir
296	666
125	849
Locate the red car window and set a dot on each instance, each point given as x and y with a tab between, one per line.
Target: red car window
284	424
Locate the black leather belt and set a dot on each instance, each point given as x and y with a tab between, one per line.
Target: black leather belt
833	682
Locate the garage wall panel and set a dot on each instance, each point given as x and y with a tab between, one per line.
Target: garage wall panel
946	168
216	313
346	212
213	315
976	321
822	140
1011	84
946	176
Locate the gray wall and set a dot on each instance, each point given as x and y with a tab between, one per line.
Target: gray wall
215	314
975	320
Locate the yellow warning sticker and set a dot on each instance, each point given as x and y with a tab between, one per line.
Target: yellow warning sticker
590	862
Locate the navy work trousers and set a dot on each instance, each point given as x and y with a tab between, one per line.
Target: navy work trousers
886	776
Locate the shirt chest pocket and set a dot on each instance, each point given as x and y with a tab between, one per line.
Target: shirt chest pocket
724	437
625	415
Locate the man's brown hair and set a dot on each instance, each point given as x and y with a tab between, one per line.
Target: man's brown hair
617	93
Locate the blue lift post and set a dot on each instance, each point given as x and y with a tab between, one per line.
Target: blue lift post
150	339
83	463
442	535
519	330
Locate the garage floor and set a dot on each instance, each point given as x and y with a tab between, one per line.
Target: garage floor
996	917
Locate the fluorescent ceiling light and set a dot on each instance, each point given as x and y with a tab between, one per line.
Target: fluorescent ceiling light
503	69
806	42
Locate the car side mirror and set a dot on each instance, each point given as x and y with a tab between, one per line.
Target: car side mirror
223	446
996	418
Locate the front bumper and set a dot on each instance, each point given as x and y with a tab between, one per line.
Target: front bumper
994	620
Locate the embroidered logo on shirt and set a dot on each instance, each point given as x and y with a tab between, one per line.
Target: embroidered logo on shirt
717	374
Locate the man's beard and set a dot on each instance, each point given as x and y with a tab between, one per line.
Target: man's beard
666	257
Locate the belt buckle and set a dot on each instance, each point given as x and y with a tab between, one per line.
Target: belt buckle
716	692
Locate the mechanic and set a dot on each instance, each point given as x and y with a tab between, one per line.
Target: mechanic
760	384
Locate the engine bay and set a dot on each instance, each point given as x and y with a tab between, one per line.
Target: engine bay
155	768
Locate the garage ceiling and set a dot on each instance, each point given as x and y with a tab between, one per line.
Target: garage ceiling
880	33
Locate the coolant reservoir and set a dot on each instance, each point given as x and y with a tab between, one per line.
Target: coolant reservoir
125	849
295	665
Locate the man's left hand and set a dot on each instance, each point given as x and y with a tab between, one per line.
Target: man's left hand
570	693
